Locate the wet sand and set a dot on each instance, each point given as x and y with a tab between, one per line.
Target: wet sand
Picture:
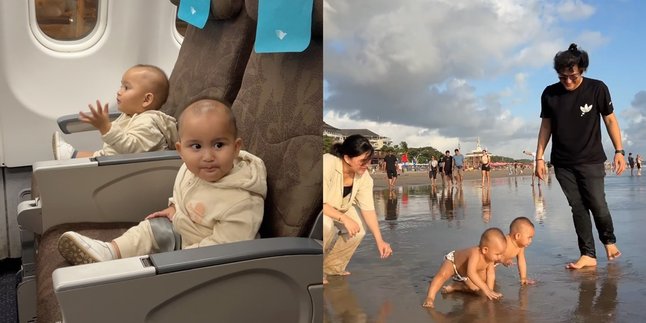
421	177
423	224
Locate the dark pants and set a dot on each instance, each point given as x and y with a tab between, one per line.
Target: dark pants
583	186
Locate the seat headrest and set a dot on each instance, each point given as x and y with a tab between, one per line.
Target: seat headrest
317	15
221	9
225	9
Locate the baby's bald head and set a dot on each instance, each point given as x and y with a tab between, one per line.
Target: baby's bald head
204	107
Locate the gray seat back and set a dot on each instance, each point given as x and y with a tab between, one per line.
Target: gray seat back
212	60
279	110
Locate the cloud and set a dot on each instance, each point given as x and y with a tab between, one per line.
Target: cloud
574	10
634	130
423	66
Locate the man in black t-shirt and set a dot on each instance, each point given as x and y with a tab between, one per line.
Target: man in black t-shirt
391	169
571	112
448	166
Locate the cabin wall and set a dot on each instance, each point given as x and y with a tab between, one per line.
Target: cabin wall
38	84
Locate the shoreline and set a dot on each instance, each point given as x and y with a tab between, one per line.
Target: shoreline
421	177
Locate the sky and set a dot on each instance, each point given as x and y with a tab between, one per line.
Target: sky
447	72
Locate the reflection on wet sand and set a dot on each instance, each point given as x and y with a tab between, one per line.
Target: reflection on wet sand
593	306
433	221
475	308
447	203
486	205
391	206
539	204
341	306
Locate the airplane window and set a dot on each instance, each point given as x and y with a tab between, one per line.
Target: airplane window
66	20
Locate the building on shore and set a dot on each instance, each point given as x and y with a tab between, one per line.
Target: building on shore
339	135
472	158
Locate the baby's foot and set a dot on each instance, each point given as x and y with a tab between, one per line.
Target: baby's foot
429	303
325	281
79	249
612	252
345	273
584	261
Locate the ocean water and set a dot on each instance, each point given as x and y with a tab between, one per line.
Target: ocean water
423	223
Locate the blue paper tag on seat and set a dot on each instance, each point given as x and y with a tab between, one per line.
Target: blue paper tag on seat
194	12
283	26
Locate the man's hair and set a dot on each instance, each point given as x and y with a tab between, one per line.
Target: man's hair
456	150
158	84
448	151
203	106
490	235
518	223
571	57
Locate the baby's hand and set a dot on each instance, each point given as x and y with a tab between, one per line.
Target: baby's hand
508	263
428	303
99	117
168	212
527	281
493	295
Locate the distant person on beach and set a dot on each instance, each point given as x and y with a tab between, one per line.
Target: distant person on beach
348	186
448	166
391	169
521	233
638	162
571	112
440	168
458	159
433	168
533	155
485	167
631	163
473	268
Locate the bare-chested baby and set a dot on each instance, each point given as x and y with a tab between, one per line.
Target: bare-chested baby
521	233
473	267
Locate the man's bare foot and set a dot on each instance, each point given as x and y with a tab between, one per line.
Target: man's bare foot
429	303
612	252
584	261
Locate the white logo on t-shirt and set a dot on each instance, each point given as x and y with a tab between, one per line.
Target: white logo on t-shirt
585	108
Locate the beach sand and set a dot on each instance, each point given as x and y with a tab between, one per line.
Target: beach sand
421	177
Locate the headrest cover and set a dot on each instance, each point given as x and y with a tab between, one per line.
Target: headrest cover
317	18
221	9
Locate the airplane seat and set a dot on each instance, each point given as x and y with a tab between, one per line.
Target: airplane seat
212	60
279	110
276	278
109	194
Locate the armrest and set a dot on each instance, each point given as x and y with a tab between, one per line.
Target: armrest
70	123
122	188
282	277
188	259
83	276
101	273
